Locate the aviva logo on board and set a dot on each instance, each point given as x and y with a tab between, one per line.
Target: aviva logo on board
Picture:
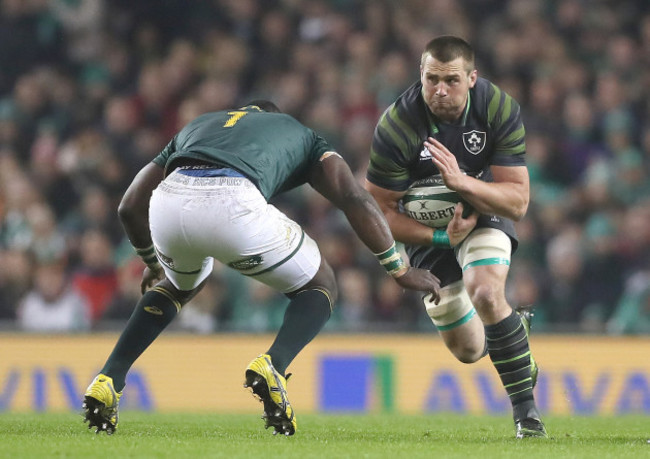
360	383
43	384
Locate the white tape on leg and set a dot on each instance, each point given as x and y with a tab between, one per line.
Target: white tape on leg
454	309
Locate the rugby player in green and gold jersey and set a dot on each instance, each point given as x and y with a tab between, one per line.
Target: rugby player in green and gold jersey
465	130
205	198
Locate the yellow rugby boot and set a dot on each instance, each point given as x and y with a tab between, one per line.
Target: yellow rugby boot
101	404
271	388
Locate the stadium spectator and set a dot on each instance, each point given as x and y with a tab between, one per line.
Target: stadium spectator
120	307
53	305
15	281
96	210
83	23
603	269
395	310
19	197
634	238
566	290
95	278
355	309
200	315
23	47
47	242
632	314
524	288
259	308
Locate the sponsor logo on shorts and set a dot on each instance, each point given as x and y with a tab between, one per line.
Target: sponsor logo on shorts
247	263
168	261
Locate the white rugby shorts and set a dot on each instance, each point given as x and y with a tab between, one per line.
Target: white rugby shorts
195	220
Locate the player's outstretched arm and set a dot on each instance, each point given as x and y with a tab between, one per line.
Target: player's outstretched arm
134	215
335	181
134	207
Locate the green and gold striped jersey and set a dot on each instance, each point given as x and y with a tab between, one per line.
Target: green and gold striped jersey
274	150
490	132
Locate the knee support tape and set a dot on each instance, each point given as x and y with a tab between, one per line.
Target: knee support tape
454	309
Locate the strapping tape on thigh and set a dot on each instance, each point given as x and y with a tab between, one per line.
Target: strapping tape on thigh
485	246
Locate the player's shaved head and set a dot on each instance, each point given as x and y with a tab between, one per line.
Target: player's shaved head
448	48
265	105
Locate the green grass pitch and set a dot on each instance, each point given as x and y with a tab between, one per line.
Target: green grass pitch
142	435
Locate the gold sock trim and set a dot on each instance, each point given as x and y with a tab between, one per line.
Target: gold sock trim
171	298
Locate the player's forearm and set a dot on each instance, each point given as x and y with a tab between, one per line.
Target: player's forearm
505	199
133	210
407	230
135	222
403	228
368	222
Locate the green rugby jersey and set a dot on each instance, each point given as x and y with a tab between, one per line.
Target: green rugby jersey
274	150
490	132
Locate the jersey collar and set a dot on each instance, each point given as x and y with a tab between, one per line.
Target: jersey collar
463	120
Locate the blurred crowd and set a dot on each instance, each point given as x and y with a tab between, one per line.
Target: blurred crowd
91	90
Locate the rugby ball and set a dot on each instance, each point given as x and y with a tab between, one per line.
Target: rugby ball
430	202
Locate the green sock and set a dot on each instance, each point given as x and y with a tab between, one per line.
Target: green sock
510	354
155	310
305	316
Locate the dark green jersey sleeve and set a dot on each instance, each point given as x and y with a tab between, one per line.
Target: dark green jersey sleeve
162	157
319	146
392	143
504	118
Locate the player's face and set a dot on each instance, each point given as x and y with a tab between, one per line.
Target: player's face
445	86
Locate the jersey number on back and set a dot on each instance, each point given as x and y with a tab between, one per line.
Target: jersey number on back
234	117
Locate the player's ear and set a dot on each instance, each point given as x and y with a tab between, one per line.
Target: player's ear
473	76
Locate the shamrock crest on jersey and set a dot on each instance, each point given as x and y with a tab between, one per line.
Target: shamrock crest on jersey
474	141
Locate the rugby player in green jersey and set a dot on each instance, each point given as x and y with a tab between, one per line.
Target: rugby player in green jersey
464	129
205	198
